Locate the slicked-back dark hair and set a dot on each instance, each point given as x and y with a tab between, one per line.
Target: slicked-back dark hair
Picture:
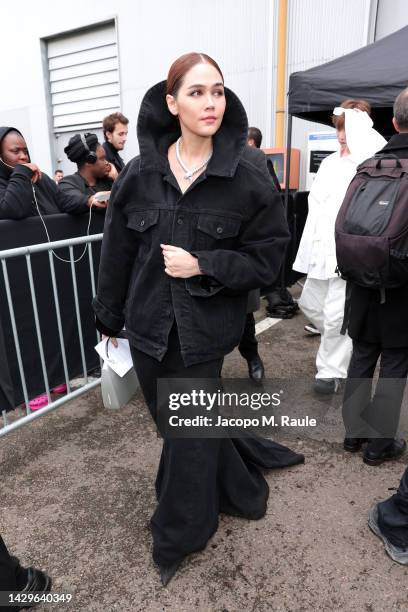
182	65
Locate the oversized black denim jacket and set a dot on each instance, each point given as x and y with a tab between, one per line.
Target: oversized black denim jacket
231	218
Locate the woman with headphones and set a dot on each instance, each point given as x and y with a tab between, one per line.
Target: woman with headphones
94	176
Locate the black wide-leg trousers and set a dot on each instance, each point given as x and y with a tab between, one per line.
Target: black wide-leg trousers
199	478
375	417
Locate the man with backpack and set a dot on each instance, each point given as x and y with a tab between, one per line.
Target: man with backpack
372	255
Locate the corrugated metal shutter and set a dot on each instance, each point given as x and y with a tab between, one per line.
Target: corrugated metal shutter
84	78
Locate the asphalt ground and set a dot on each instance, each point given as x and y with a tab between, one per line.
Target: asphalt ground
77	494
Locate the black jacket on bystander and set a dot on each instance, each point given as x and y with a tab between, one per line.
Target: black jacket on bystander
17	199
370	321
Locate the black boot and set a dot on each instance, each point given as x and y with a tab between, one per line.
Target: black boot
281	304
375	456
256	369
353	445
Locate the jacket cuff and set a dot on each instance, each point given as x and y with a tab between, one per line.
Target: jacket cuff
204	263
21	170
103	329
203	286
110	324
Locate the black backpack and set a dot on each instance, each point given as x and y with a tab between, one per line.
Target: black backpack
372	225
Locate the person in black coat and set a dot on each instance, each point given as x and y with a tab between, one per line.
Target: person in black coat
378	330
387	325
23	580
24	189
93	175
248	346
193	225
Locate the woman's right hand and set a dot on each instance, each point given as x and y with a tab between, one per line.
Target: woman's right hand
37	172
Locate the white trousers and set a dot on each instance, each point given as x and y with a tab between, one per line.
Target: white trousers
322	302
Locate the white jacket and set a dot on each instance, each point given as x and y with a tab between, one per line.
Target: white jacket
317	250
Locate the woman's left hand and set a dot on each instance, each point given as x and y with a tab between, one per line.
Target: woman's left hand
178	262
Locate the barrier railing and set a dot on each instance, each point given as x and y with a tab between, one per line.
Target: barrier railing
10	421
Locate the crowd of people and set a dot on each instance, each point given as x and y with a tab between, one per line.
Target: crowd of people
25	190
194	225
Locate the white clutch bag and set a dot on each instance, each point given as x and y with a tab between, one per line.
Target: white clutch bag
117	390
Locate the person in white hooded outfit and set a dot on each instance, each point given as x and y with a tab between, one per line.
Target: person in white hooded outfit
323	295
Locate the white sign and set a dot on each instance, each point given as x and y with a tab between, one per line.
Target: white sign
319	146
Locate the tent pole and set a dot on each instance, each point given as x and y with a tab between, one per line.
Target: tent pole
282	279
287	172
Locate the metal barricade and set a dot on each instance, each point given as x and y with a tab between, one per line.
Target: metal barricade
10	424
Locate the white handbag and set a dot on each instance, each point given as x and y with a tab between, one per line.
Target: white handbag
116	390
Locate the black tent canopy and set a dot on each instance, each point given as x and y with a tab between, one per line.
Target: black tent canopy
376	73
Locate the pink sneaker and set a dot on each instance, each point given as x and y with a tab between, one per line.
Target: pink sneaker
38	402
59	389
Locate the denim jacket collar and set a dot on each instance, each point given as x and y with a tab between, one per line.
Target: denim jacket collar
157	129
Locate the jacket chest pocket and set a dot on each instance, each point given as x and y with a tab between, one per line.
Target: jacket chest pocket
145	225
215	232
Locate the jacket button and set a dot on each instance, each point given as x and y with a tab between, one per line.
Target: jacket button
142	222
180	220
219	229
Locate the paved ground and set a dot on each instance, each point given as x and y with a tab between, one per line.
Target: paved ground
77	494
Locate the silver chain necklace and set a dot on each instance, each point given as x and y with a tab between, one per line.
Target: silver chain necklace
189	174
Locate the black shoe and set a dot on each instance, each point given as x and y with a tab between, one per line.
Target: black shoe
256	369
394	450
281	304
353	445
167	572
326	386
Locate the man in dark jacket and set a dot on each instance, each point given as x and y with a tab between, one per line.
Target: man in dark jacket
378	329
248	347
115	130
91	181
389	519
25	191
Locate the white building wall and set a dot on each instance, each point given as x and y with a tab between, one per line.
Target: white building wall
318	32
151	34
240	34
392	15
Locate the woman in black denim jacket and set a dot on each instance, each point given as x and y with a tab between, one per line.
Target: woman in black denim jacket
194	223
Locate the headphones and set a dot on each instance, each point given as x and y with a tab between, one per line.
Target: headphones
91	157
6	164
